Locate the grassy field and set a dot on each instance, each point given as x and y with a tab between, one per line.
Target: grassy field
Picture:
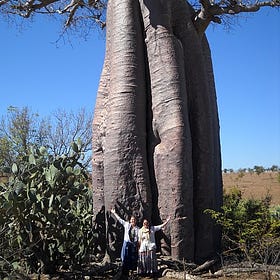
253	185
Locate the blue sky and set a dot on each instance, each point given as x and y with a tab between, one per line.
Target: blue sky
38	73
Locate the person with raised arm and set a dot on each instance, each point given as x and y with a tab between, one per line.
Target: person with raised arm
129	253
147	263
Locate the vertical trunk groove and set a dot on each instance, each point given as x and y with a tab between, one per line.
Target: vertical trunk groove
172	154
98	134
204	131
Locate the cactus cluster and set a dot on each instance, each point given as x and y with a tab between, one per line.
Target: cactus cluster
46	214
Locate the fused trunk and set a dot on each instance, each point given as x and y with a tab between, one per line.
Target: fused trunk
156	150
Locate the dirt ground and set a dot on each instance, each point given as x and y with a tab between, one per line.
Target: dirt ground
255	276
255	186
241	276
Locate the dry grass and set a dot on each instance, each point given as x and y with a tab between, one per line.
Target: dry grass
253	185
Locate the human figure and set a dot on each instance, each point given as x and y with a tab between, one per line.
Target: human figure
147	263
129	253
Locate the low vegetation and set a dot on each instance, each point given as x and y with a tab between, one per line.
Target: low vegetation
46	212
251	229
46	215
46	219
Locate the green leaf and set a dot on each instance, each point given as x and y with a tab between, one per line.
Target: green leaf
14	168
75	147
15	265
51	200
61	249
51	174
39	197
43	150
19	187
6	195
77	171
32	159
69	170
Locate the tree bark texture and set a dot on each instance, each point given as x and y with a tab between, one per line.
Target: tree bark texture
156	150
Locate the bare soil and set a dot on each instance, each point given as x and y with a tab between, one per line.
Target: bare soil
245	276
253	185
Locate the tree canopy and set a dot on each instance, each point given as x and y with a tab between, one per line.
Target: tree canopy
76	13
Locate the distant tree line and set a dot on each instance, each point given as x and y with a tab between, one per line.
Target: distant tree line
256	169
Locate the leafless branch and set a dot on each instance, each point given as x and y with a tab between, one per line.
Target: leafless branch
73	10
213	11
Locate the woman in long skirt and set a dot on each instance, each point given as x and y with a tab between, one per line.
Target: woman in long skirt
147	263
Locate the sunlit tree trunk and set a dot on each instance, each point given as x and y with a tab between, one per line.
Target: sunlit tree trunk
156	150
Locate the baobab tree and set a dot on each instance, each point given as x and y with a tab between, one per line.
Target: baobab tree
156	150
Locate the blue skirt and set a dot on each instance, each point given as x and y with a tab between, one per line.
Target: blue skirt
129	255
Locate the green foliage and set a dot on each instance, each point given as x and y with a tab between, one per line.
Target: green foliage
275	212
259	169
274	168
20	129
251	229
46	214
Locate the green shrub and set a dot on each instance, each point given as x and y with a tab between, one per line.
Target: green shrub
46	214
250	230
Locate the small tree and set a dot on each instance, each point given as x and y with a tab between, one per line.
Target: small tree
66	127
20	129
259	169
274	168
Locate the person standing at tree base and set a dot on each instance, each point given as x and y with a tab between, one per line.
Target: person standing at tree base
147	263
129	253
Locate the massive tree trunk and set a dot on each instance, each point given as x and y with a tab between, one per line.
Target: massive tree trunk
156	150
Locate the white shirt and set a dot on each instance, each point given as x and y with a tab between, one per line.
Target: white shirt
127	227
147	238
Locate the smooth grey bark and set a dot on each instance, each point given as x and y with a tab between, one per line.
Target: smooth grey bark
156	150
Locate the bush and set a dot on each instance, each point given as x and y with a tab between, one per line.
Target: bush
250	229
46	214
